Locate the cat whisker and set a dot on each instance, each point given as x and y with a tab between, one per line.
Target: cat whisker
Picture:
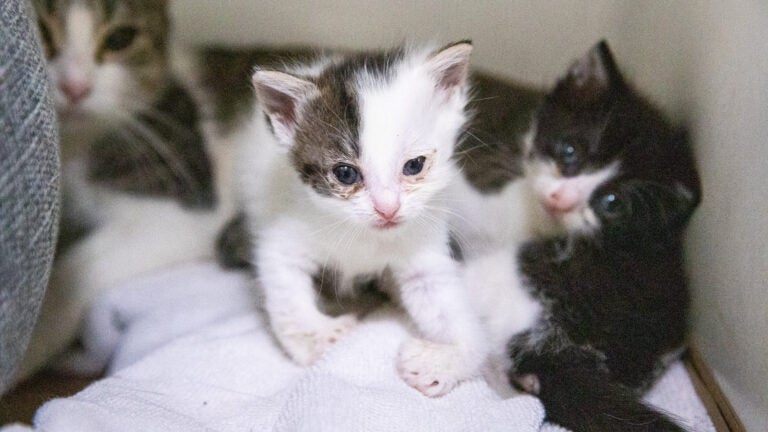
485	99
168	121
324	267
133	146
483	143
157	144
134	142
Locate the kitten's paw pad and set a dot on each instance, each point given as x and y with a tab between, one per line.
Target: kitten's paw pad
305	345
431	368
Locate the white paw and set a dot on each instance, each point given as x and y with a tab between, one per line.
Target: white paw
431	368
306	342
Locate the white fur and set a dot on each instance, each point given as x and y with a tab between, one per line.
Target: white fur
300	232
546	179
491	228
499	296
503	302
485	223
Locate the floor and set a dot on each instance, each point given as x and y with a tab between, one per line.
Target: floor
21	403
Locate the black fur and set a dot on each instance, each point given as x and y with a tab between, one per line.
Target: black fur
579	393
611	314
616	300
491	150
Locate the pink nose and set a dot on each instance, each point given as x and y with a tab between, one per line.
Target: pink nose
564	199
387	211
76	91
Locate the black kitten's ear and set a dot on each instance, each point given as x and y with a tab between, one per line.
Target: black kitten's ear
688	186
283	97
592	75
450	65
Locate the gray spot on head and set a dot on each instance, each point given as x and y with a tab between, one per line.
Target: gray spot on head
328	133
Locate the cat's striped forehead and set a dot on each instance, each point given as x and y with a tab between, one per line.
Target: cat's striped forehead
109	10
83	25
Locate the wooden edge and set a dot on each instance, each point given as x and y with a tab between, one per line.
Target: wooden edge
717	405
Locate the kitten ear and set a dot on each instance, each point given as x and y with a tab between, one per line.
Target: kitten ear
592	75
282	97
688	186
450	65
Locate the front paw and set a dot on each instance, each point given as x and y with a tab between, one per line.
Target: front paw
305	342
431	368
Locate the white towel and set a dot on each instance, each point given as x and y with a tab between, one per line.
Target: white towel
187	351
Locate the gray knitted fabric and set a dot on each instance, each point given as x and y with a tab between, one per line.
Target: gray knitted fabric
29	188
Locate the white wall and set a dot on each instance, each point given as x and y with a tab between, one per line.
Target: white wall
705	62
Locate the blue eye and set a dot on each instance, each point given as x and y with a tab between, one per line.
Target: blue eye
346	174
610	204
414	166
566	152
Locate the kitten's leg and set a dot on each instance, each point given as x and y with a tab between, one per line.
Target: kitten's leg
285	275
454	346
58	322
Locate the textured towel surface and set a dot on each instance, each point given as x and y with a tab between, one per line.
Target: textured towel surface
188	351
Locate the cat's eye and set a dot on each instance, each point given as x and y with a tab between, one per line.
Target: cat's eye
346	174
610	205
120	38
566	152
414	166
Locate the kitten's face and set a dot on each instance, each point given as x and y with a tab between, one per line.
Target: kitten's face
373	137
105	57
601	158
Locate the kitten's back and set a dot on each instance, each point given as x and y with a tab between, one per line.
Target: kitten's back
223	74
491	151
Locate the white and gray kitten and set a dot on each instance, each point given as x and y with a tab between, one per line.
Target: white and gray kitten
347	172
140	186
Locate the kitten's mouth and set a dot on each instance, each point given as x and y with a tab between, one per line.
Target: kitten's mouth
73	113
386	224
555	212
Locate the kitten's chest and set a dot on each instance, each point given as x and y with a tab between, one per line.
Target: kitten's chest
354	256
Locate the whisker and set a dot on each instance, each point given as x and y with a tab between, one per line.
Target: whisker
161	149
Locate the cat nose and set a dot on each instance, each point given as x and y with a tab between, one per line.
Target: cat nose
76	90
562	200
387	209
388	212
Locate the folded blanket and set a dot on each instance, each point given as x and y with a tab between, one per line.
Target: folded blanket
187	350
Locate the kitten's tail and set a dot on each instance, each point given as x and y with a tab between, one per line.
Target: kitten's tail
584	400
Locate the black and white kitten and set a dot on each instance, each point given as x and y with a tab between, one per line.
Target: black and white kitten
138	177
347	173
592	311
